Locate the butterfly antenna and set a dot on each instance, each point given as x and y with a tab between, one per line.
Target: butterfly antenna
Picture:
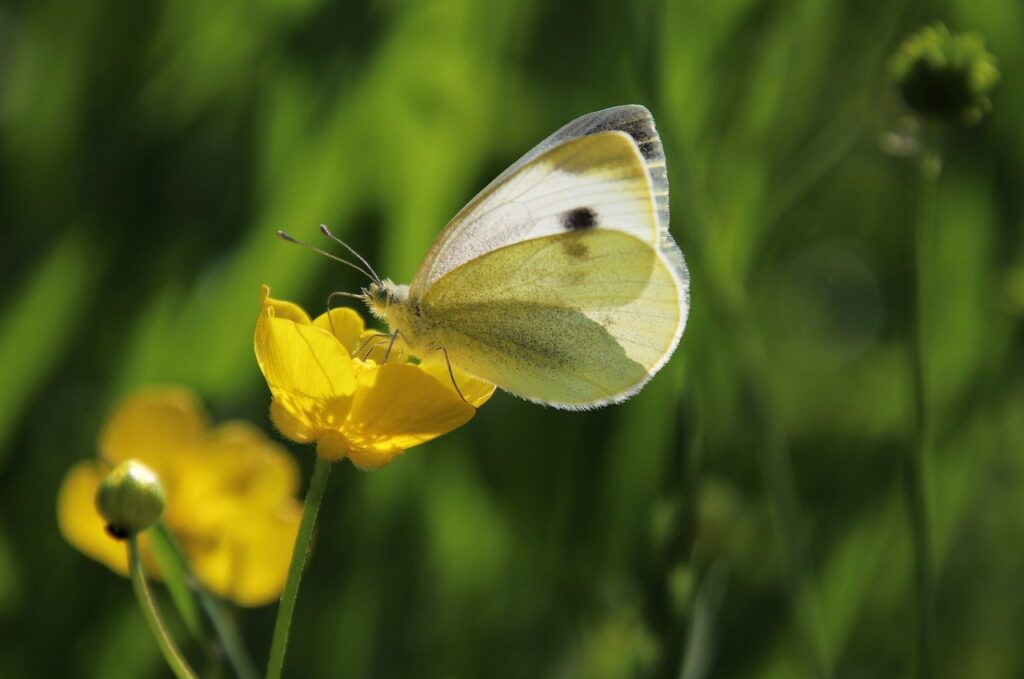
327	232
330	297
291	239
330	308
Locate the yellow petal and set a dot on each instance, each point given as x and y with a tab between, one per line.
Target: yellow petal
80	523
290	426
309	373
282	309
375	458
396	407
332	446
250	466
154	426
248	561
263	551
302	359
345	324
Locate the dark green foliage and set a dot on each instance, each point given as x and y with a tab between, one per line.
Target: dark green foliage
744	515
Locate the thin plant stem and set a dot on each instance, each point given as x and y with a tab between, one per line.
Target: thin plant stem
279	644
919	453
172	655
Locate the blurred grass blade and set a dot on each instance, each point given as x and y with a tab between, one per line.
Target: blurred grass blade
185	589
43	322
172	570
227	631
700	642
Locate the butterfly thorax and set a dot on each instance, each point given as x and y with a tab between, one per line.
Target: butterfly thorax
392	304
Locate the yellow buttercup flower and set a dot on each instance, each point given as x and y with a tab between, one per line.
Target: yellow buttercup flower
230	495
346	389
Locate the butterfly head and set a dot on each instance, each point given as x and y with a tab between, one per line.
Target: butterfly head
385	296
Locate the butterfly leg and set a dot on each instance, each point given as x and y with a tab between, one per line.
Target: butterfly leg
391	345
451	373
371	343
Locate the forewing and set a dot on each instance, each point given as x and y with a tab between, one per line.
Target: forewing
605	169
575	320
634	120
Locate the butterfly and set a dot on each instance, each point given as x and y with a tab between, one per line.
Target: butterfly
559	282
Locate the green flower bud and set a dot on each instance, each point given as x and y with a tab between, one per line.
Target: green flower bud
945	77
130	499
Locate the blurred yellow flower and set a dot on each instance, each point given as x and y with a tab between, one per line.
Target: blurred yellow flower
230	495
368	408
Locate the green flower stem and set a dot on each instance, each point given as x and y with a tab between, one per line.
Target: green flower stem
919	454
279	645
167	646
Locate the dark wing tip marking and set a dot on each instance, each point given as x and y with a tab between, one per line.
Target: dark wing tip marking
579	219
641	129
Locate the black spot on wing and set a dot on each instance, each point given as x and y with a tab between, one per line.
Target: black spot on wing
579	219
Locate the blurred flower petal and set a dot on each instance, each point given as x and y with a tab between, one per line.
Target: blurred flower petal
80	523
153	426
230	495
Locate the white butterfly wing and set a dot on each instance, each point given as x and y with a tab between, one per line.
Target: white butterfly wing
634	120
575	320
562	182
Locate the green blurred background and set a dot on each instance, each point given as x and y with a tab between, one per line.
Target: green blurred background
746	515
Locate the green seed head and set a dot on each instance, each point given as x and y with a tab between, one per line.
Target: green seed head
130	499
943	76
